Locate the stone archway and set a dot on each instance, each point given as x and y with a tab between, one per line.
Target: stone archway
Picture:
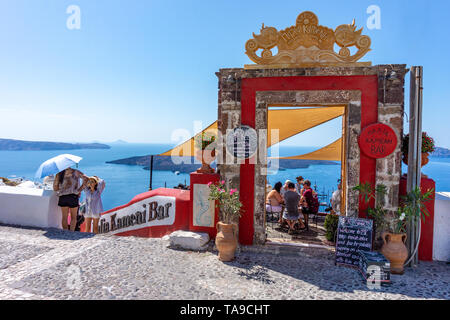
370	97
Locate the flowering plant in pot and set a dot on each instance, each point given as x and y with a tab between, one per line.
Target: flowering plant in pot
230	210
428	147
203	153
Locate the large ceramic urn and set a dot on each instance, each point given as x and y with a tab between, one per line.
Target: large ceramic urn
394	249
226	240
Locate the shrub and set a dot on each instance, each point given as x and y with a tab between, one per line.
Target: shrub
228	201
331	224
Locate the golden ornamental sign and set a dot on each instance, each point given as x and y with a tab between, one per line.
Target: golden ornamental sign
307	44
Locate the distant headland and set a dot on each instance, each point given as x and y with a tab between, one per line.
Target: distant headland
21	145
165	163
441	153
187	165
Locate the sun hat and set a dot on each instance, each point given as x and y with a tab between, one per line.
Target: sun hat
299	178
95	178
287	181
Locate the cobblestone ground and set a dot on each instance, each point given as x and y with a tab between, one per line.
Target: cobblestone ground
56	264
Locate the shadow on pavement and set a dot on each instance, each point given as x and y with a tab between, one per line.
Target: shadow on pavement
58	234
316	266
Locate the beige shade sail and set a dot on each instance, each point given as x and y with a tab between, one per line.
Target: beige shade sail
293	121
186	149
330	152
289	122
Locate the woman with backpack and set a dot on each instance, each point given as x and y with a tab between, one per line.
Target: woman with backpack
310	202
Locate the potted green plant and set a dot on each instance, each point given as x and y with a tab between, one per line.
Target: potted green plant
202	141
230	210
377	213
331	224
392	225
428	147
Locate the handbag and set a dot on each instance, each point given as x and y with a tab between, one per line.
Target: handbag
80	217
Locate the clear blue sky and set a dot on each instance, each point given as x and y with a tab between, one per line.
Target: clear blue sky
137	70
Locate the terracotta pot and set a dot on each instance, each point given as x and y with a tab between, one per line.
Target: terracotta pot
206	157
394	250
423	161
226	240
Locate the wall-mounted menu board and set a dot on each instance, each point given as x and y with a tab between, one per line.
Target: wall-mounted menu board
353	234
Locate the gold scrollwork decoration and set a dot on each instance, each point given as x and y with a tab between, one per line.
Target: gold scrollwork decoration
307	44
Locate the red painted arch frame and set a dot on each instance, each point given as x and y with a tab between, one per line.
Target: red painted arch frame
367	85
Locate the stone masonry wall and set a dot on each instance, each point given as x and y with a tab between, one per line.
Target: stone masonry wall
390	111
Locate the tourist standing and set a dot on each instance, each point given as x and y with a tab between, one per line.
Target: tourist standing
67	187
336	199
299	185
94	205
307	200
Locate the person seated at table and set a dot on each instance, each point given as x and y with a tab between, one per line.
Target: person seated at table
285	187
274	200
291	214
307	200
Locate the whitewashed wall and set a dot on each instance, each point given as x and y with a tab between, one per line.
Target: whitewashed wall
441	232
29	207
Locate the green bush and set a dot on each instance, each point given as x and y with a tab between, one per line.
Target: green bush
331	224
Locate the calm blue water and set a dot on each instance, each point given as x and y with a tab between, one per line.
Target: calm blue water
437	169
124	182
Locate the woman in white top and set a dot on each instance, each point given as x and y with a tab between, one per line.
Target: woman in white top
94	205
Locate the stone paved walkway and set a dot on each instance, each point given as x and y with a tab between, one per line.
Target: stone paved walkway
56	264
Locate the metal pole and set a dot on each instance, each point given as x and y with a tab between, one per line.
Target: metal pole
151	173
414	150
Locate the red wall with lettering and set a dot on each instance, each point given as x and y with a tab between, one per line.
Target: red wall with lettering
182	213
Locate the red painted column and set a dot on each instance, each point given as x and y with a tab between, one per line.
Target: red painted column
247	170
369	115
202	178
426	228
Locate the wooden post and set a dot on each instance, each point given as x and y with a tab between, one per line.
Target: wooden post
151	173
414	152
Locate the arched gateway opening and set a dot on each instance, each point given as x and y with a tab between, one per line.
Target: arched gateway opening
307	72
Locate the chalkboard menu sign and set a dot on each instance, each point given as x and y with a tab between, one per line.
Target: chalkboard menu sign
353	234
